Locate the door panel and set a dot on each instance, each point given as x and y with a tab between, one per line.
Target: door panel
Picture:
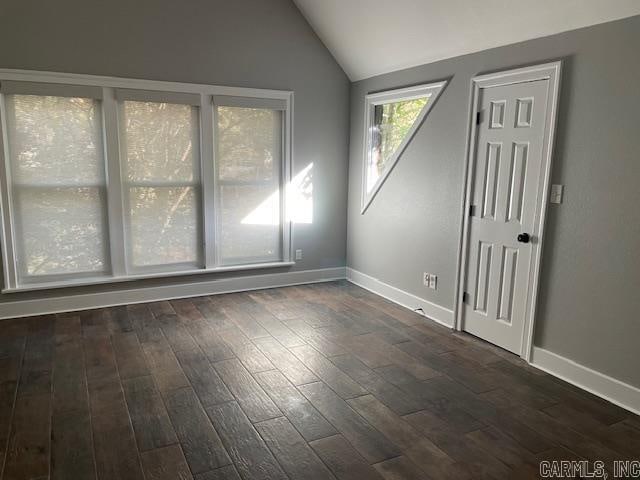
505	185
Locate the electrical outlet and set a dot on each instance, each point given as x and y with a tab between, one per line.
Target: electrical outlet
433	281
298	254
426	279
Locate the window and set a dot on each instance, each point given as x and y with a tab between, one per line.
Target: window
248	176
161	180
392	119
131	179
58	184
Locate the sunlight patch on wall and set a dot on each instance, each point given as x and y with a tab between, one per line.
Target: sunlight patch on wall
299	194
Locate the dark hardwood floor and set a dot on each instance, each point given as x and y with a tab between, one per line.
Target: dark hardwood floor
309	382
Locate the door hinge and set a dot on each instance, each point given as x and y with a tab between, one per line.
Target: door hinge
465	297
478	117
472	210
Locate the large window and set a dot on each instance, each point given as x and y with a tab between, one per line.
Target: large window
129	179
161	177
249	174
392	118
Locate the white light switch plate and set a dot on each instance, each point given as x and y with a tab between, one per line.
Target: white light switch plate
433	281
556	193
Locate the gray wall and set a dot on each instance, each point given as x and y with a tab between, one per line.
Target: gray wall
248	43
589	299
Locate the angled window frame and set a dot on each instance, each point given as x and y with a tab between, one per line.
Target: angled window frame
372	100
110	90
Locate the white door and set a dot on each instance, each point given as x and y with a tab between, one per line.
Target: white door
505	185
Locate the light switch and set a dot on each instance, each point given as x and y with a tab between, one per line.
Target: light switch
556	193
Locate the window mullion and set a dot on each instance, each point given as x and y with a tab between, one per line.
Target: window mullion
114	183
208	194
286	176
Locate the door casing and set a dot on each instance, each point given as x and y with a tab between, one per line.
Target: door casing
548	71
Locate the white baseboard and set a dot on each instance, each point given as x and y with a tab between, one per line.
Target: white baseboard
435	312
604	386
70	303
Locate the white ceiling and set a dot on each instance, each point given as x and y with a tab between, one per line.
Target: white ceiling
371	37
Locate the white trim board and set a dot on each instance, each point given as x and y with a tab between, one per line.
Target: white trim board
601	385
70	303
434	312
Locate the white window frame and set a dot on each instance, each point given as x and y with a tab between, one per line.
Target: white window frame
372	100
125	95
119	269
263	103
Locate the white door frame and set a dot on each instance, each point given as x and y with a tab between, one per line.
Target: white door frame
547	71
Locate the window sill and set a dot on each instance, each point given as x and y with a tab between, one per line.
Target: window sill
28	287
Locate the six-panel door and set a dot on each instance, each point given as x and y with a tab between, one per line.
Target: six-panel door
508	160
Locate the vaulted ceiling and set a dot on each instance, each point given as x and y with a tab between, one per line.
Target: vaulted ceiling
371	37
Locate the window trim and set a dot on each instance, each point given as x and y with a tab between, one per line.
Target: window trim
372	100
119	272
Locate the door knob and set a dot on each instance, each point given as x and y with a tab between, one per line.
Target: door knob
524	238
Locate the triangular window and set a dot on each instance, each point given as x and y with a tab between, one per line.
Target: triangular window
392	119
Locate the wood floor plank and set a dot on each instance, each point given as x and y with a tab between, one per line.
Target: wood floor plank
371	444
143	322
166	463
400	468
69	377
250	455
343	460
400	402
72	446
419	448
100	361
247	324
501	419
176	333
214	315
295	406
255	403
501	446
397	356
277	329
151	423
116	454
186	310
292	452
71	422
200	442
29	440
163	365
129	355
10	364
223	473
605	412
162	307
292	368
315	338
205	381
250	356
359	347
209	341
37	364
119	320
476	462
340	382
